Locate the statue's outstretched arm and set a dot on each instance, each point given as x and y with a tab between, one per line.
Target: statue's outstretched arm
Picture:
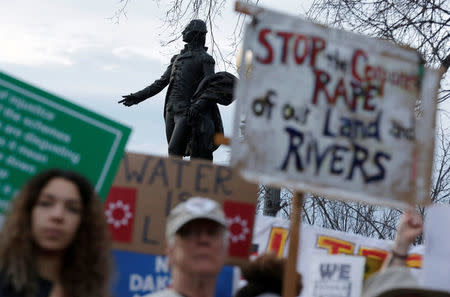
149	91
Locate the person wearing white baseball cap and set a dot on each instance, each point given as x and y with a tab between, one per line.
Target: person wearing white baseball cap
197	243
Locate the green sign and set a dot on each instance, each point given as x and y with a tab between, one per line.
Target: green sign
39	130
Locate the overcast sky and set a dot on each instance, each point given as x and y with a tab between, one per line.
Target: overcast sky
72	48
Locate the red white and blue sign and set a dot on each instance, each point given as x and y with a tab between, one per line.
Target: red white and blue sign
140	274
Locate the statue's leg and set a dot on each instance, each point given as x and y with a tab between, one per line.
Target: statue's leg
199	150
180	136
170	125
202	138
207	155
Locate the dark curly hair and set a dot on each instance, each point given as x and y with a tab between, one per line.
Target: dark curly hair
86	266
265	275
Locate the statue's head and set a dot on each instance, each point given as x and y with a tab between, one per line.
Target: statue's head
195	29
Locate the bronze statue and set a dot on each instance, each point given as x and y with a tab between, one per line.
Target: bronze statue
190	110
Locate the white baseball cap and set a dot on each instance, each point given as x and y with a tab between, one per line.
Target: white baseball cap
192	209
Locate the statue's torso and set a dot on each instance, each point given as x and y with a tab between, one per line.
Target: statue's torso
187	72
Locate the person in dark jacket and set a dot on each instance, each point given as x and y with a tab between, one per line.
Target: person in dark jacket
55	241
184	74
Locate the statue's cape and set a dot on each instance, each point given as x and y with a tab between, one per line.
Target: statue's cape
217	89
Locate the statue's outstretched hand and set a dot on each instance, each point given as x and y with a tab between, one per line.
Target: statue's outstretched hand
129	100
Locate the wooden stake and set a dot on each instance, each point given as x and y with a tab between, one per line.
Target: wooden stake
291	264
247	8
219	139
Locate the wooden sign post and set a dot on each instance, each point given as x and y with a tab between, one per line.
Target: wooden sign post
291	264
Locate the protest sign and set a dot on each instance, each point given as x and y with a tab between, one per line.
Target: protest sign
273	234
332	112
335	276
147	187
40	130
141	274
436	268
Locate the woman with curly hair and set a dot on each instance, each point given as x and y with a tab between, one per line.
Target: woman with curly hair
55	240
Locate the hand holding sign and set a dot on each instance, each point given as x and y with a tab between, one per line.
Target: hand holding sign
411	226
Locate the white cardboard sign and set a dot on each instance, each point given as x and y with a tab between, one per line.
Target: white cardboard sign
436	268
335	276
331	112
272	235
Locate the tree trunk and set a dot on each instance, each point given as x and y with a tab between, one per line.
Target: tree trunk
272	201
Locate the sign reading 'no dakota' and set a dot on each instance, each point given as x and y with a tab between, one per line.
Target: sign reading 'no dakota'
331	112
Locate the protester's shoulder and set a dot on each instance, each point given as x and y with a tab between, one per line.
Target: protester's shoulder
268	294
391	278
5	287
4	283
7	290
164	293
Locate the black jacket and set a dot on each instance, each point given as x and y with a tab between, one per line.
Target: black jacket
6	289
